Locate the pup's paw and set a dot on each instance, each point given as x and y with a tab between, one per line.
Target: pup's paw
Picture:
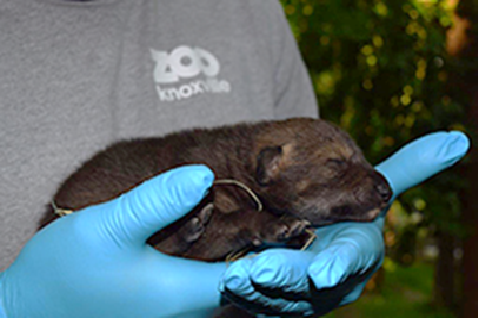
284	229
194	228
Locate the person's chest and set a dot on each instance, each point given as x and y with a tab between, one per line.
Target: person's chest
126	69
78	77
75	78
188	63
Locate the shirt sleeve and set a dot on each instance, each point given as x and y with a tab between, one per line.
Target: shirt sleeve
293	91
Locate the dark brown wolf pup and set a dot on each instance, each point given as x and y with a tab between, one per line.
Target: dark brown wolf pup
302	172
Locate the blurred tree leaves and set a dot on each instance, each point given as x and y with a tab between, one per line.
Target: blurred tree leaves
380	70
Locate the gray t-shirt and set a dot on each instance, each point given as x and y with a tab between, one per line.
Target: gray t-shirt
75	76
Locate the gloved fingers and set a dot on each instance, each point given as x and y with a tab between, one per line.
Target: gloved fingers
422	158
337	274
282	273
353	250
154	204
239	286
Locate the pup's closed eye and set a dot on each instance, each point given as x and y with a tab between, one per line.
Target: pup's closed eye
336	163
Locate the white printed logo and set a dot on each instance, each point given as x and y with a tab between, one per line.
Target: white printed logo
174	73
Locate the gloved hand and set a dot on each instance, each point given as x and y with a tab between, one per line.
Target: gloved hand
334	269
95	263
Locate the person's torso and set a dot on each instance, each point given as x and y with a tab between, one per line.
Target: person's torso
74	78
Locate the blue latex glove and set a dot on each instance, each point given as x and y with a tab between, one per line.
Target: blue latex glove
95	263
334	270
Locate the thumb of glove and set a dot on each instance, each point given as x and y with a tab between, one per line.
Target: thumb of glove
146	209
422	158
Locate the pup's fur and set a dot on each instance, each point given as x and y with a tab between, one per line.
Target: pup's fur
303	170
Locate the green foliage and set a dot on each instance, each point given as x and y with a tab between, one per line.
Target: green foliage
381	71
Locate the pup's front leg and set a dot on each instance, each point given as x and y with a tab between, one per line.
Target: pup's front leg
282	229
229	233
180	236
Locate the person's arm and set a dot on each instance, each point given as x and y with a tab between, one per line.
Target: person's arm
95	263
335	269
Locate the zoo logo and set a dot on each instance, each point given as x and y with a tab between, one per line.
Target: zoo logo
184	63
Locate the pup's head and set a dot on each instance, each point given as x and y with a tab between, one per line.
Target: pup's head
314	170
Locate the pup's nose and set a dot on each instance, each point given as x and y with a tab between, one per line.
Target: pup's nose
383	188
384	191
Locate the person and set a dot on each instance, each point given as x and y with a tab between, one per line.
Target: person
78	75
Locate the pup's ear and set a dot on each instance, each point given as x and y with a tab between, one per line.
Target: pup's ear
268	164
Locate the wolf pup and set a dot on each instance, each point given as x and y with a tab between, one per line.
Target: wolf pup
299	172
